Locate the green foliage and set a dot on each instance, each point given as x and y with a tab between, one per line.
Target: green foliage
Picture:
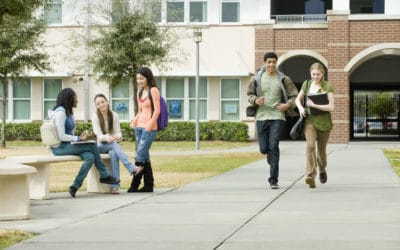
20	45
129	43
382	105
176	131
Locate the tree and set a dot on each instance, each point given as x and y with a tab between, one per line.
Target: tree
132	41
19	46
382	106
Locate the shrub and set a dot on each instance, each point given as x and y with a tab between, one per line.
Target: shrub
176	131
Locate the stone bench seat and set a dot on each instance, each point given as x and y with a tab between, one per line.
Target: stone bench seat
39	182
14	190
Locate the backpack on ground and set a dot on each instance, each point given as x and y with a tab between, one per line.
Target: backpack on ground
49	135
162	121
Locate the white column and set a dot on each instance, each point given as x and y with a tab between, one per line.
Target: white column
392	7
341	5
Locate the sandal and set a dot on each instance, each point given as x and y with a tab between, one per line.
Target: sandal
114	191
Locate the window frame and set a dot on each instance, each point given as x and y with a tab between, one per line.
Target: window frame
221	12
23	99
126	100
206	11
183	14
237	99
44	112
51	5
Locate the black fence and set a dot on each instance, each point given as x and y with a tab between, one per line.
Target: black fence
376	116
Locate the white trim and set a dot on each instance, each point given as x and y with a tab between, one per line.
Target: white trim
47	74
371	52
311	53
354	17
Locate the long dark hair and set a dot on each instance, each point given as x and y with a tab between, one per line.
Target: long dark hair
66	98
101	118
148	74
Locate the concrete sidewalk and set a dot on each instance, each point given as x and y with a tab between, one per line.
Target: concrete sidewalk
359	208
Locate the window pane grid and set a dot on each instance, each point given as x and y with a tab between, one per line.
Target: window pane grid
120	100
53	11
230	12
198	11
230	95
175	12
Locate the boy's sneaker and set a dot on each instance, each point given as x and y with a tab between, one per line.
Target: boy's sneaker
274	186
109	180
310	181
72	191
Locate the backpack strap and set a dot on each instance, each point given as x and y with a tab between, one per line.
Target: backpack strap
150	98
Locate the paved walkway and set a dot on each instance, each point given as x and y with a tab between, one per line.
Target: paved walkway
359	208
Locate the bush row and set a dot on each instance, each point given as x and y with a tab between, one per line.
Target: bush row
176	131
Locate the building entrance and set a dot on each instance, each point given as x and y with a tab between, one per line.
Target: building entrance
375	114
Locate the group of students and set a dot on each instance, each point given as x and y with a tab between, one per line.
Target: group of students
106	126
275	93
270	89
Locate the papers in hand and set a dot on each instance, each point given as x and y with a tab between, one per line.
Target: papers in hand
320	99
83	142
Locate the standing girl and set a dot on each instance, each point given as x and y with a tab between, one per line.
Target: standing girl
317	127
145	124
107	128
62	116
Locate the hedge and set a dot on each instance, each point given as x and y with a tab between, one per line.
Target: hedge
176	131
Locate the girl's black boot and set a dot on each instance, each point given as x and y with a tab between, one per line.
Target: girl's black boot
148	178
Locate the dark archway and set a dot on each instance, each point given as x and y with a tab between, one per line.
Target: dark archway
375	99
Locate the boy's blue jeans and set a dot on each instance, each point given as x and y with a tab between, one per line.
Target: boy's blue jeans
269	132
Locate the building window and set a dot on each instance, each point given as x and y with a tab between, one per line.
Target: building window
367	7
51	89
120	100
22	99
198	11
202	98
175	95
230	99
175	11
52	13
230	11
153	10
119	9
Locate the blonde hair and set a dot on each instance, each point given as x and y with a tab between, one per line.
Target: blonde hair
318	66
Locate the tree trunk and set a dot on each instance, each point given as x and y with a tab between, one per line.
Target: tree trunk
4	82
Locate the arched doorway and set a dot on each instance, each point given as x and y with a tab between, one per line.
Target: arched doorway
375	96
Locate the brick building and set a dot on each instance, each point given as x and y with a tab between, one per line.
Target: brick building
358	41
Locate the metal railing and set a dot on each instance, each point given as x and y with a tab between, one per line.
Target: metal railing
307	18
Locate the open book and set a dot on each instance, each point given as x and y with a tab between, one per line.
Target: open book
320	99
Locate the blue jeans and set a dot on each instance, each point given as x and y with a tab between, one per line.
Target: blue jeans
144	140
269	132
88	153
116	155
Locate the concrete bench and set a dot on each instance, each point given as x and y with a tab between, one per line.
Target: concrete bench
14	190
39	182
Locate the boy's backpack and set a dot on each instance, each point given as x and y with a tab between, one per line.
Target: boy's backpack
48	132
162	121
